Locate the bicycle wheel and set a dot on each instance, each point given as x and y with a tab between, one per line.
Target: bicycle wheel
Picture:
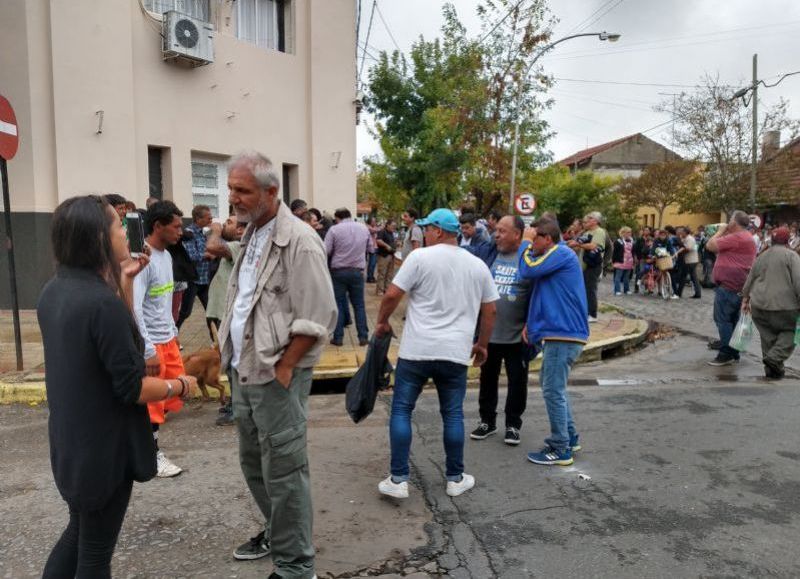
665	285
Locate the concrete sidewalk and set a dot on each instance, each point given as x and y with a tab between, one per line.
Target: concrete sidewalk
614	331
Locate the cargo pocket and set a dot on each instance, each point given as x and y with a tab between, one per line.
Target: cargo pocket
288	450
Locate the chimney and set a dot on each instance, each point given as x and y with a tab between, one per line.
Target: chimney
770	144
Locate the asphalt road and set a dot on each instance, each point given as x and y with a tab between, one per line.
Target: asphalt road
687	471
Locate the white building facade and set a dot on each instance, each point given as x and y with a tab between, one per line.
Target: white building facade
102	108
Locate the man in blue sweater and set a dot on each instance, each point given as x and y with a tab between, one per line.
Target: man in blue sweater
558	319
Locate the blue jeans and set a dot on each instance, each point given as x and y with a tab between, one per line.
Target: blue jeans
557	360
623	277
372	261
727	305
451	384
349	283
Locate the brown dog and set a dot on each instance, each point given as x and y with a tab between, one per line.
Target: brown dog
205	366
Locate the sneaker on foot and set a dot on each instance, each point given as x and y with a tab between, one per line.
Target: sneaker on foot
549	456
592	320
575	443
225	419
676	297
392	489
459	488
617	293
714	345
721	360
255	548
166	468
512	436
483	431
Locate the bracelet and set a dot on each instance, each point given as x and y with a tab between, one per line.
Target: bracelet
169	390
184	386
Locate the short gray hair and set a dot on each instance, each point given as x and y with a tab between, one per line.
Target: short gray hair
258	165
596	215
741	218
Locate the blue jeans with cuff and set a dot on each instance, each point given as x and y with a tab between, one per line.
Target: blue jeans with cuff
557	360
451	384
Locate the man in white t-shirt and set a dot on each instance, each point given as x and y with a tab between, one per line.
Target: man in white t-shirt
437	342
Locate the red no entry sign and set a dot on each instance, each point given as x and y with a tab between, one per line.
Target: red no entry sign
9	139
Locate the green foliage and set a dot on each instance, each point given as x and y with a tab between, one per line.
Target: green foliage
660	185
571	197
444	116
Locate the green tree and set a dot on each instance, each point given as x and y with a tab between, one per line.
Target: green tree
660	185
717	131
571	197
444	115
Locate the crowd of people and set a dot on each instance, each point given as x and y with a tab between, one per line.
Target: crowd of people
278	283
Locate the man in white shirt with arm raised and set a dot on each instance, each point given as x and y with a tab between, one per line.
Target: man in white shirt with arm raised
447	288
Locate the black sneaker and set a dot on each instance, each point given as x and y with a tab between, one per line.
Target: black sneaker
225	419
483	431
773	372
722	360
255	548
512	436
714	345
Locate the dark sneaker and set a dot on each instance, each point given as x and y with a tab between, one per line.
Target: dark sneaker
773	371
714	345
512	436
274	575
363	342
337	343
721	360
255	548
575	443
549	456
225	419
483	431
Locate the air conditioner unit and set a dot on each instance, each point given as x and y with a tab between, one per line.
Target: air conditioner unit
187	39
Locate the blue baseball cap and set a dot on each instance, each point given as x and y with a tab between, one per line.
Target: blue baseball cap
444	219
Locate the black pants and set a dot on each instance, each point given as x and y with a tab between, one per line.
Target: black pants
689	269
85	548
194	290
516	360
591	276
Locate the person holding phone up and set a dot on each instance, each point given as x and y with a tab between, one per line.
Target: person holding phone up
100	441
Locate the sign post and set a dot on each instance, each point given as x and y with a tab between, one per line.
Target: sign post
9	142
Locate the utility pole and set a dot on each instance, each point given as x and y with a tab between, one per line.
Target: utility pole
754	160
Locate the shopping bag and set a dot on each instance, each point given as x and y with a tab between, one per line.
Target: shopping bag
742	333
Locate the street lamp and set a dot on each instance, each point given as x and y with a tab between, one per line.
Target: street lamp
610	37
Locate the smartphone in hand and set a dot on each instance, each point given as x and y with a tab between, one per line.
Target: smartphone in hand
135	234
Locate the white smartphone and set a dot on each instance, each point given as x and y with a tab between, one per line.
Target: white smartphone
135	233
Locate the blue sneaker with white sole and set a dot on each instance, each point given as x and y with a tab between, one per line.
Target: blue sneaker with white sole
549	456
575	443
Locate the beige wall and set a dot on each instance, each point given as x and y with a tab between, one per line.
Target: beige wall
62	62
649	216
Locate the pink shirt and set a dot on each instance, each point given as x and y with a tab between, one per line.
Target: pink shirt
736	253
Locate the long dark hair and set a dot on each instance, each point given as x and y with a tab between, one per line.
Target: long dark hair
81	238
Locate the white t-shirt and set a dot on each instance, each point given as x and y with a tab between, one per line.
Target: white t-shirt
446	286
248	279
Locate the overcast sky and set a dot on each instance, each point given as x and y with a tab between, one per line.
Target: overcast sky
665	42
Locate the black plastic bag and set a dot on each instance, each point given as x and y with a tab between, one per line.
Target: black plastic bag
374	374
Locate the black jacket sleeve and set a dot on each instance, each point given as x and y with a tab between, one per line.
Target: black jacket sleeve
112	332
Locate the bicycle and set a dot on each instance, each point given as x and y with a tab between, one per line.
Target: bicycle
663	278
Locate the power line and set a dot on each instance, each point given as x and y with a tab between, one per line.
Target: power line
599	16
366	41
386	26
583	23
655	84
503	19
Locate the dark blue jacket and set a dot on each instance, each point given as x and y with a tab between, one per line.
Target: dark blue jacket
558	309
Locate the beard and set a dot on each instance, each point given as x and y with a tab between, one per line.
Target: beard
257	213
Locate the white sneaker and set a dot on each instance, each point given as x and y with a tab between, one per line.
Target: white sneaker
166	468
675	297
458	488
617	293
392	489
592	320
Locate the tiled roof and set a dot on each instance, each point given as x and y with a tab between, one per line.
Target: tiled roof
581	156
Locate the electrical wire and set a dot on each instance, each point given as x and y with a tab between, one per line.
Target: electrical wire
599	16
366	42
614	82
587	21
386	26
499	22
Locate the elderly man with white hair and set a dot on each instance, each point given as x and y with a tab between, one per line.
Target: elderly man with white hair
280	310
591	249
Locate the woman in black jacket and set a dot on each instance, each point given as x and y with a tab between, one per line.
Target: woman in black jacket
100	436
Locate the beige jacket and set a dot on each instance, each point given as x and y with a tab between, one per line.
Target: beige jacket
774	281
293	295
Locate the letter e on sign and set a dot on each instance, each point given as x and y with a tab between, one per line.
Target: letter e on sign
9	139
